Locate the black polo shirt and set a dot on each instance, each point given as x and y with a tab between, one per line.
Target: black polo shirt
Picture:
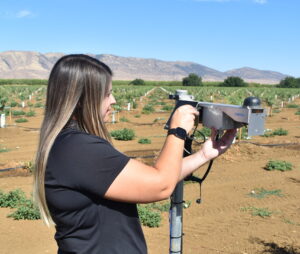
80	169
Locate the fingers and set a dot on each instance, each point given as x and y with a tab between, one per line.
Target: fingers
184	117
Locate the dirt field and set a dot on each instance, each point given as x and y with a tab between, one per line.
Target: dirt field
222	223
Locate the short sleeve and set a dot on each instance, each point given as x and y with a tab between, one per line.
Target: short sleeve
85	163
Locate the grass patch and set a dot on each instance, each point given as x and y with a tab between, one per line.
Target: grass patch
123	134
4	149
277	132
279	165
38	105
144	141
292	106
148	109
30	113
280	132
27	211
262	212
148	217
262	193
21	120
167	108
18	113
124	119
12	199
25	208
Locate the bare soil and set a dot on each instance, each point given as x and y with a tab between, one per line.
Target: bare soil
222	223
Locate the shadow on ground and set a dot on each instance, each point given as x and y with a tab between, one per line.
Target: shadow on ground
274	248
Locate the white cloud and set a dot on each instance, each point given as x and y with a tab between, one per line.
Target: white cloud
23	14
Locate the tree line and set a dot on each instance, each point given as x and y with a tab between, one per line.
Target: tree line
233	81
191	80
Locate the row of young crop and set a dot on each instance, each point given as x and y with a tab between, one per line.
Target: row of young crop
11	96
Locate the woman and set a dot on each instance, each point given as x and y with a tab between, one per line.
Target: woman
85	186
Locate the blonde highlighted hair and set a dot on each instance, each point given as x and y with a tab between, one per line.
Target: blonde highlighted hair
76	88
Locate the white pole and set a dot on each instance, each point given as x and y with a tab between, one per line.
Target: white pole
128	106
23	104
113	117
2	121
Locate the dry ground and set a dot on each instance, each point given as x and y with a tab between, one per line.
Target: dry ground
221	224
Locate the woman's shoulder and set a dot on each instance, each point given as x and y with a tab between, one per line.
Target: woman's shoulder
73	137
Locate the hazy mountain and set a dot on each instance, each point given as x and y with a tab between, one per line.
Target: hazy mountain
29	64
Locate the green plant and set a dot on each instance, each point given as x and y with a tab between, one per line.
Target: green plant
280	132
278	165
38	105
160	206
26	211
148	217
123	134
21	120
262	212
144	141
12	199
147	109
268	134
262	193
30	113
13	104
137	116
297	113
4	149
29	166
18	113
167	108
292	106
124	119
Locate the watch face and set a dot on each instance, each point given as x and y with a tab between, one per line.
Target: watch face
181	132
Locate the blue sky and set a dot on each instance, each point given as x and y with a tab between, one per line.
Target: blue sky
221	34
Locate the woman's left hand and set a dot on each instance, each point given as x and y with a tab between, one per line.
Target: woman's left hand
212	148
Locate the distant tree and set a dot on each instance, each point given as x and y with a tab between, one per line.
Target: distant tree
192	80
234	81
137	82
290	82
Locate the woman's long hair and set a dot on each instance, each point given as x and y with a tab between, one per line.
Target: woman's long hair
76	88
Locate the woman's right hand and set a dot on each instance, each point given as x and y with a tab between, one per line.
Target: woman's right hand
184	117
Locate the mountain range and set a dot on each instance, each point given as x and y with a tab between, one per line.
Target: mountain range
35	65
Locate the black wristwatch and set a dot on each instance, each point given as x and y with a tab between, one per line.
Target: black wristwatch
178	132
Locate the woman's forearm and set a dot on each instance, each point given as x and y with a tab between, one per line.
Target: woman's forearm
192	163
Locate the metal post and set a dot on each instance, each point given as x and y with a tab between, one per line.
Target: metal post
176	220
176	214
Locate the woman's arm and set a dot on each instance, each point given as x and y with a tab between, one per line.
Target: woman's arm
140	183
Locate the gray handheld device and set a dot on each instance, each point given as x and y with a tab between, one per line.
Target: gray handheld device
225	116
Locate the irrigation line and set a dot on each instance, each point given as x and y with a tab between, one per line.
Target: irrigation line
153	156
30	128
9	169
258	144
